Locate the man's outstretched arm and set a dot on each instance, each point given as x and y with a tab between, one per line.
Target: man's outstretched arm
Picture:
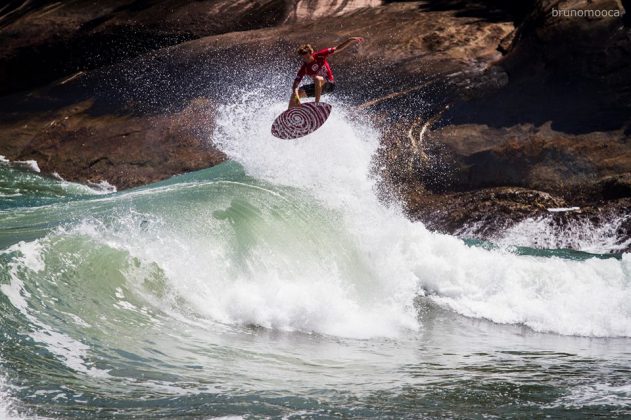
348	42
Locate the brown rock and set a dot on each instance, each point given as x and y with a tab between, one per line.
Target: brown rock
150	92
45	40
485	212
560	122
484	125
534	157
125	150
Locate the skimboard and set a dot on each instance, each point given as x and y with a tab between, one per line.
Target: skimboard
300	121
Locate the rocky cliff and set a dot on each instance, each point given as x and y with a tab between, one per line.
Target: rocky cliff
502	109
555	119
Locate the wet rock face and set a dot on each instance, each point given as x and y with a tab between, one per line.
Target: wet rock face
484	212
46	40
303	10
518	216
552	115
124	150
151	91
560	120
491	111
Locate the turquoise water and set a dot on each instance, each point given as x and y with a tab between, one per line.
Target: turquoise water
277	284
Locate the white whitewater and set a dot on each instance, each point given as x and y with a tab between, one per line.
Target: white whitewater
292	290
591	298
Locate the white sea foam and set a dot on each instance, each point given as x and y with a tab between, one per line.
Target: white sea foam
548	294
99	188
10	405
599	394
273	287
358	273
27	164
30	166
102	187
581	234
562	209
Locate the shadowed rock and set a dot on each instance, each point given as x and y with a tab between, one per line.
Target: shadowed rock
152	91
43	40
487	108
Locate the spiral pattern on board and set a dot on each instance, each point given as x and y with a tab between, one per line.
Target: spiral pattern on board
300	121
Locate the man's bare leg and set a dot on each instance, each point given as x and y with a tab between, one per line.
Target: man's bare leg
293	101
319	83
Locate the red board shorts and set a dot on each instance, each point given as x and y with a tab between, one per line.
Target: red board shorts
310	89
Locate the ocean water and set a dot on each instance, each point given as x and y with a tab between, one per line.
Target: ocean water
278	285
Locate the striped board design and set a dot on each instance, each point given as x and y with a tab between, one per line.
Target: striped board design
300	121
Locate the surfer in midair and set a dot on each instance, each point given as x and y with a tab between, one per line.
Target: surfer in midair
317	67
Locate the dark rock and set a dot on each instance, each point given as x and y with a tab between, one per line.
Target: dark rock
484	212
615	187
550	222
44	40
151	92
485	125
125	150
558	122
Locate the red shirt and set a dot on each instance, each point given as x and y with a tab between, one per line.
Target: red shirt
318	67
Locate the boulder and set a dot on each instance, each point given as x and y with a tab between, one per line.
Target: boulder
563	115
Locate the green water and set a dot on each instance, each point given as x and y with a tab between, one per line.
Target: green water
218	293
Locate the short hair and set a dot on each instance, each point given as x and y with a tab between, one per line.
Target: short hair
304	49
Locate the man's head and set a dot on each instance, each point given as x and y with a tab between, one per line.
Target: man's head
305	52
